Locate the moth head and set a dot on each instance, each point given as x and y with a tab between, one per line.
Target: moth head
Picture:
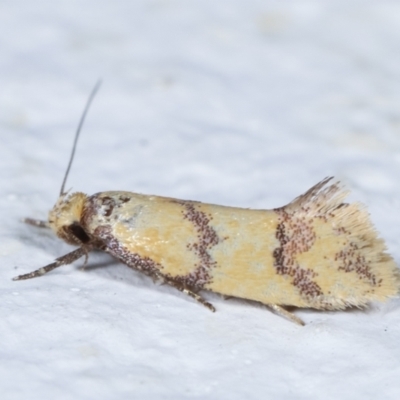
65	218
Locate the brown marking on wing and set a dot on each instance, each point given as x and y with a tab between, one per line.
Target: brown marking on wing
207	238
107	204
102	205
118	250
123	199
351	260
295	236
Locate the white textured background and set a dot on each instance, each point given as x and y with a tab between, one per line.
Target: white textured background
244	103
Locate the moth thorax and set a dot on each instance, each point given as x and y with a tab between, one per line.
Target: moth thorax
65	218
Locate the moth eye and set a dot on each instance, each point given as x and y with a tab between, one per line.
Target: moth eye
77	230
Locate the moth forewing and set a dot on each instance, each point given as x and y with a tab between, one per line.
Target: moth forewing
316	252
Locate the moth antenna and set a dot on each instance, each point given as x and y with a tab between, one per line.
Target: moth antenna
78	131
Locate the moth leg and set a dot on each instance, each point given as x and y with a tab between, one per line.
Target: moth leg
198	298
66	259
36	222
86	260
189	292
285	313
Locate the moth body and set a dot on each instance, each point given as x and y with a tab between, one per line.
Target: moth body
316	252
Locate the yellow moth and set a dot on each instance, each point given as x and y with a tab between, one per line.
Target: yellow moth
316	252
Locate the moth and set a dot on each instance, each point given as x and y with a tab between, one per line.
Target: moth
316	252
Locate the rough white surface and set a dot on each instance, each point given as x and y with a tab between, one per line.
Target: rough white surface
244	103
